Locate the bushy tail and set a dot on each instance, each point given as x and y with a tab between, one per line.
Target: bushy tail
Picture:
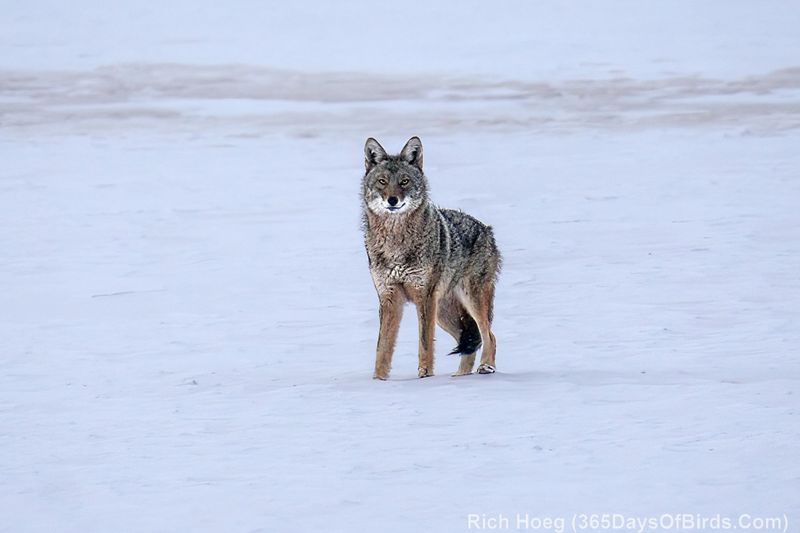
470	339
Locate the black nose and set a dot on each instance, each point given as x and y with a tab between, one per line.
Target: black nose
392	200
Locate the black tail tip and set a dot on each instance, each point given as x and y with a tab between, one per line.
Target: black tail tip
467	344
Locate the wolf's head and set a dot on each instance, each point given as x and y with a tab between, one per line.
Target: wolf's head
394	184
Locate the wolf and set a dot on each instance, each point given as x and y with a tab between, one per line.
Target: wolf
444	261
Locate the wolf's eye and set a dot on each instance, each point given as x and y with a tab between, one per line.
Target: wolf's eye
404	182
382	181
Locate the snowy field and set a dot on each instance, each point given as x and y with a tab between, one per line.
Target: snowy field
187	326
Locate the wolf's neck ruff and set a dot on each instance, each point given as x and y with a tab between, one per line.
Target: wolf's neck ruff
401	226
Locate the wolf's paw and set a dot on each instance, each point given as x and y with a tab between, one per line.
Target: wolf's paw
458	374
380	377
424	373
486	369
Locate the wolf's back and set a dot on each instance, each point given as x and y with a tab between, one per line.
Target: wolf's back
472	241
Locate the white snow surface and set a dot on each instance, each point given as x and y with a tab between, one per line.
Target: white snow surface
187	326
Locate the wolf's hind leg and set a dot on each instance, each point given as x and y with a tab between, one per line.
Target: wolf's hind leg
465	365
479	300
454	319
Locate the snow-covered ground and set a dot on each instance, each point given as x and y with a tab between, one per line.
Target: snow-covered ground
187	325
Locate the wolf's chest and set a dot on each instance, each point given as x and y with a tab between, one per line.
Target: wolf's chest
391	268
404	273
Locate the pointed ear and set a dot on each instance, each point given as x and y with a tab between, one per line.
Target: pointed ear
373	153
412	152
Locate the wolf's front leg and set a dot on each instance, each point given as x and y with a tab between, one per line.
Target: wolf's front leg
390	313
426	313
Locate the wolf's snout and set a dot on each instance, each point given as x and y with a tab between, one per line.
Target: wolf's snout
392	200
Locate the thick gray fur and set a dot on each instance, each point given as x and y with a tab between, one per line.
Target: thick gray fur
416	249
